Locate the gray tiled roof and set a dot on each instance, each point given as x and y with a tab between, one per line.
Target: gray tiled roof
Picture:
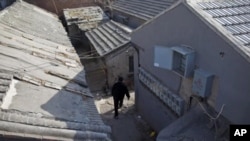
143	9
48	78
108	37
233	15
5	80
86	17
22	16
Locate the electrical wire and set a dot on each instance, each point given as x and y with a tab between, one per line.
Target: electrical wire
91	53
31	66
91	57
213	119
205	111
26	72
88	54
21	69
55	6
94	54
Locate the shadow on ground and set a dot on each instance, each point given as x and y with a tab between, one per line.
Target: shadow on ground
130	126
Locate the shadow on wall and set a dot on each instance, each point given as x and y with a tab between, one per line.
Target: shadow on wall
95	74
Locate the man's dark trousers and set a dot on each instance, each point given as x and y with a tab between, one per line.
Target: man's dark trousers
118	102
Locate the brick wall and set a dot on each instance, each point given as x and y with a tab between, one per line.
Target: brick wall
56	6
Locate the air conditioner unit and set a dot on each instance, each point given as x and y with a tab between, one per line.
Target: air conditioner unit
183	61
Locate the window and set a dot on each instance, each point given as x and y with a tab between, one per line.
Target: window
177	59
131	63
163	57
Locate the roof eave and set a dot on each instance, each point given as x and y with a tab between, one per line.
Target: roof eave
38	132
158	15
123	46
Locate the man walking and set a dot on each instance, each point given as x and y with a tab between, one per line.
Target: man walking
119	90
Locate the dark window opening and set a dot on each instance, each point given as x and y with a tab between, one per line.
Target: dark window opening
131	63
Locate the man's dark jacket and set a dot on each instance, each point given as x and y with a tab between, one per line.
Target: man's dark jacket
119	90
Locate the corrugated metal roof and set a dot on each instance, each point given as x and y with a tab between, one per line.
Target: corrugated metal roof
108	37
86	17
35	50
143	9
233	15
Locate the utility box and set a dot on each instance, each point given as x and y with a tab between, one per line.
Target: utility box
202	83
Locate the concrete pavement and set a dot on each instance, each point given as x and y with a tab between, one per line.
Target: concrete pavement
130	126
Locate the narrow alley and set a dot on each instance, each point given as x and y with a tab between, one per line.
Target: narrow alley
130	126
185	63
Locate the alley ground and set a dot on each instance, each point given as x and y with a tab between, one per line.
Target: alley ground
130	126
